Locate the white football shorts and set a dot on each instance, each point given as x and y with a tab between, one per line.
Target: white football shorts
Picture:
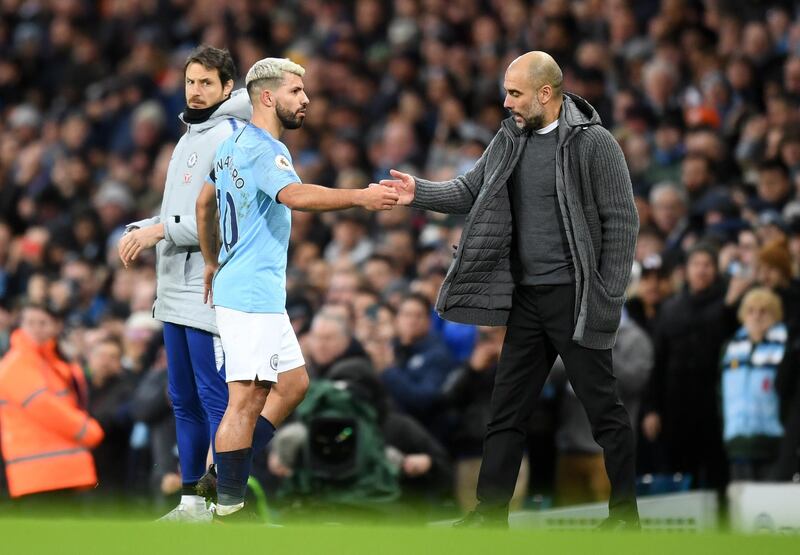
257	345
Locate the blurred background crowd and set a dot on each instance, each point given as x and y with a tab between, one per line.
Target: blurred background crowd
703	97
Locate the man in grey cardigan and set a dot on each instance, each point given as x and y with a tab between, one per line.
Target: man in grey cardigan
547	250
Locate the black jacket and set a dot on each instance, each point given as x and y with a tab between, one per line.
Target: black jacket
684	387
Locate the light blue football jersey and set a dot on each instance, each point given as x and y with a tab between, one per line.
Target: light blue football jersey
250	169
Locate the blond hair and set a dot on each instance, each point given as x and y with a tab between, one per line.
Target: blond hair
269	72
761	296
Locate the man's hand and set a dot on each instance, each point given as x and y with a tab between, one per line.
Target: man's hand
403	184
277	467
170	483
651	426
377	197
737	286
484	356
381	353
208	279
133	242
417	464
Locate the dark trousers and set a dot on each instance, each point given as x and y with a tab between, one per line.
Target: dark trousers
540	327
751	471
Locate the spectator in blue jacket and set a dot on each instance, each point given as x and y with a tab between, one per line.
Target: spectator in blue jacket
421	366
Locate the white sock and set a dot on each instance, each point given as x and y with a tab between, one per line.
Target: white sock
194	502
223	510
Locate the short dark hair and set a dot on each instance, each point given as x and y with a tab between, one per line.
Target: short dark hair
377	257
113	341
48	308
703	247
213	58
650	231
703	158
417	298
773	164
365	289
373	309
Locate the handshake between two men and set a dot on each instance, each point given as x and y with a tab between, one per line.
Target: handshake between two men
389	192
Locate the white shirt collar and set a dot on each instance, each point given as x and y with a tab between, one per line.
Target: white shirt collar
547	129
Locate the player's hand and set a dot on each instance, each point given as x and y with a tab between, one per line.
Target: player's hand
208	279
134	242
403	184
417	465
378	197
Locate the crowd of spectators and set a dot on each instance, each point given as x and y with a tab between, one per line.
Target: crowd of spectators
703	97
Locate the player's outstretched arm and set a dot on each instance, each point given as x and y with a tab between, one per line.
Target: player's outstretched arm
206	212
316	198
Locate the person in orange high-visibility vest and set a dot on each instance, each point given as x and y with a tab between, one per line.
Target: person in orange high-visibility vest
47	432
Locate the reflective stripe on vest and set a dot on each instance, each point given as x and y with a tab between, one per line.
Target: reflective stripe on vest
47	455
33	396
82	432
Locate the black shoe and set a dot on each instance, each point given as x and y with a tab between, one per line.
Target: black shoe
474	519
207	484
619	525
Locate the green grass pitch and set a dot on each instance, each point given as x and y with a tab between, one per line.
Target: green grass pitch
63	537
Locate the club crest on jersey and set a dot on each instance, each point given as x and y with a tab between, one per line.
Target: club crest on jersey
283	163
192	160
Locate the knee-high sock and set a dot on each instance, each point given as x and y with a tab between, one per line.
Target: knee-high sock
263	433
233	469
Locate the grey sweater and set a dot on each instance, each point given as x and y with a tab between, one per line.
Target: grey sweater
596	202
540	253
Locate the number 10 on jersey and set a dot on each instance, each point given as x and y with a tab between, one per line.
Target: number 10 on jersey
230	229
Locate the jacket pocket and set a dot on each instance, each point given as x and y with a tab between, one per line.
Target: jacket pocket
604	309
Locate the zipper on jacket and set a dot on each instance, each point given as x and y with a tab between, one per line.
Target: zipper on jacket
458	255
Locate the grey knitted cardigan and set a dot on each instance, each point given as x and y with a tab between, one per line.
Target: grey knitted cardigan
596	200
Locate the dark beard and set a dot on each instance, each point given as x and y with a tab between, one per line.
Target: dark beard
289	120
537	122
534	123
